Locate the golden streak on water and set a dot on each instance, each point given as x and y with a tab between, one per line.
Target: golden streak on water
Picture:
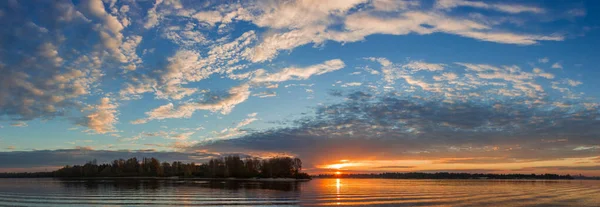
318	192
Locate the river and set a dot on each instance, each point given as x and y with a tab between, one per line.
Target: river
332	192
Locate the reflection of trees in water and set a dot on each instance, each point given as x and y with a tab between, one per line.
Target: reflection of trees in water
269	185
155	185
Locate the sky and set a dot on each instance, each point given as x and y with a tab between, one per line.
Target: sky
345	85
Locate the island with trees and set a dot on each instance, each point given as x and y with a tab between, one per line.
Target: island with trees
234	166
225	167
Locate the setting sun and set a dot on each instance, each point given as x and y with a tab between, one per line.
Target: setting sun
338	173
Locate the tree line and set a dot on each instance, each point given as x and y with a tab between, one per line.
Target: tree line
447	175
224	167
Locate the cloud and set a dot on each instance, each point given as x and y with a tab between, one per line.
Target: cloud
84	148
103	117
565	168
557	66
573	82
49	51
420	65
187	66
360	25
266	94
351	84
128	48
81	155
152	17
467	80
241	93
508	8
111	36
392	5
395	167
46	73
19	124
251	118
294	73
232	132
541	73
446	76
389	126
236	96
543	60
358	19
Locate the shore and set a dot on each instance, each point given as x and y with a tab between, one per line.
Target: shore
185	178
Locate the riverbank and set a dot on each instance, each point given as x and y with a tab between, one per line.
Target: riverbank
185	179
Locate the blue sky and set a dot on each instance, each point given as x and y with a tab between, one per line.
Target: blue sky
451	84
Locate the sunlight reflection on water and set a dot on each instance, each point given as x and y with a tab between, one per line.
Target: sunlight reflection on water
342	192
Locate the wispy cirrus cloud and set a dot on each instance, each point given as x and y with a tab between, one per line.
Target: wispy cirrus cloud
508	8
241	93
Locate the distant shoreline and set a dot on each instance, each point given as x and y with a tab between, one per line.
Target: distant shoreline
182	178
291	179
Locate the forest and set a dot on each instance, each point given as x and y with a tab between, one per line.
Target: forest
225	167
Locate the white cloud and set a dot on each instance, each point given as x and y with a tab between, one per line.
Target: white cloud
128	49
247	121
294	23
543	60
420	83
351	84
293	73
188	65
19	124
446	76
103	118
389	70
541	73
166	112
420	65
153	17
573	82
234	131
111	36
301	14
557	66
187	36
315	25
508	8
394	5
265	94
210	17
181	136
236	96
50	52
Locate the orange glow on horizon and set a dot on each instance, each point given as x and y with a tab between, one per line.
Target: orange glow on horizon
339	165
497	165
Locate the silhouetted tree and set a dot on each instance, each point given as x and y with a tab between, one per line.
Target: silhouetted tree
223	167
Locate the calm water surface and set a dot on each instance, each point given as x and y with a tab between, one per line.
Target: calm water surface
342	192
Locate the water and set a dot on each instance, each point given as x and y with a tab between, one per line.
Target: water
342	192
